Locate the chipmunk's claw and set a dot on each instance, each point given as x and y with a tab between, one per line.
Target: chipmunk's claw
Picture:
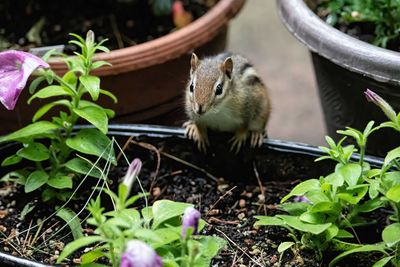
198	135
256	139
238	141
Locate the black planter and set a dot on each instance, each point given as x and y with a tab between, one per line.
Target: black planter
237	167
345	67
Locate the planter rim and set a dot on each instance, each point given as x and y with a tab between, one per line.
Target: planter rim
348	52
167	47
169	131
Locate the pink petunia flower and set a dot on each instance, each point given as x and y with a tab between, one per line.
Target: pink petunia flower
15	69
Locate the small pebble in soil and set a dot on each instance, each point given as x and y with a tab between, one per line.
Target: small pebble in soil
156	191
3	229
242	203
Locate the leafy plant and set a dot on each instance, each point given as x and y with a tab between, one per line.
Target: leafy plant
331	207
50	145
159	226
383	14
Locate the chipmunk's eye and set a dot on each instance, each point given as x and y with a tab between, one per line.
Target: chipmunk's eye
191	88
218	90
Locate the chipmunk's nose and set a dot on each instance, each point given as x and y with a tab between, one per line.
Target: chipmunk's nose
200	110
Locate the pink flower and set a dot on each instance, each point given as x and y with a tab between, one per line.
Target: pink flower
190	219
380	102
139	254
15	69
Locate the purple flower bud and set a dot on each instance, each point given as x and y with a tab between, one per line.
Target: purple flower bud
15	69
133	171
380	102
139	254
301	199
190	218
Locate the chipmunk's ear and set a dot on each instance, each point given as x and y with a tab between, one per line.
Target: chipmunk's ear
227	67
194	62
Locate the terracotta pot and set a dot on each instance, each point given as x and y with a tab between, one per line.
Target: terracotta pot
344	68
148	78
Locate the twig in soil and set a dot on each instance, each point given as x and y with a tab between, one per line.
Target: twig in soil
209	175
223	222
261	189
220	198
238	247
116	31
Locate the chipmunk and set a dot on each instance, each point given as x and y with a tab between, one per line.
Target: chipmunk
225	93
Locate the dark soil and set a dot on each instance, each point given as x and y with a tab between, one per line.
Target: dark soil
123	22
227	203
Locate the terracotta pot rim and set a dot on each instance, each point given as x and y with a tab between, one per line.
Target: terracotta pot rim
168	46
340	48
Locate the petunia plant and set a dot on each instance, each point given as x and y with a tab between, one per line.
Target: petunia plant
58	157
156	235
333	206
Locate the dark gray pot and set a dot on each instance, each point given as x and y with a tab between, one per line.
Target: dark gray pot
345	67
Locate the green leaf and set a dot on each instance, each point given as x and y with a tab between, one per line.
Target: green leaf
315	218
331	232
99	64
70	78
83	167
51	91
92	255
295	223
284	246
109	94
164	210
364	248
295	208
302	188
391	234
353	196
268	220
92	142
35	83
29	131
60	182
344	234
391	155
335	179
382	262
370	205
45	108
350	172
326	207
72	220
34	152
83	103
35	180
394	193
95	116
11	160
92	85
211	245
77	244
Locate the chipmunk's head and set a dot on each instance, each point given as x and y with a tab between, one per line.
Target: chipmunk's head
209	83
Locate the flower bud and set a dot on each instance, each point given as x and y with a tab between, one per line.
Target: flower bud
90	37
301	199
380	102
191	219
133	171
139	254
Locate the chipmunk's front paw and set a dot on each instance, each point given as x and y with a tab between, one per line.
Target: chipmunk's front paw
256	139
238	141
198	135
